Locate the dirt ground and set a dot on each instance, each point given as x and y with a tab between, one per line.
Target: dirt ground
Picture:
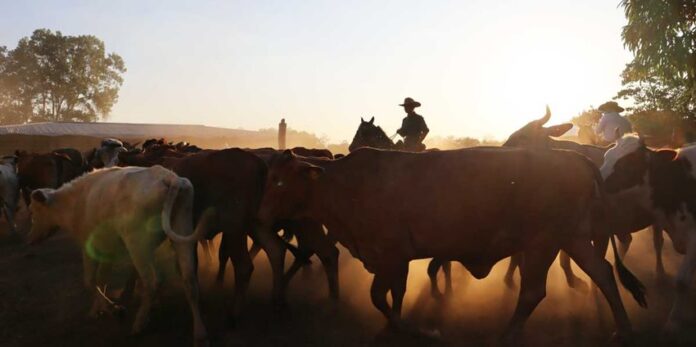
43	303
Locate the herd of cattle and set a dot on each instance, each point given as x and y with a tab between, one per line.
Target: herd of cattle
530	199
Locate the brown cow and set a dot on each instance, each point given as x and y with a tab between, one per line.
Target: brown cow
476	206
48	170
626	217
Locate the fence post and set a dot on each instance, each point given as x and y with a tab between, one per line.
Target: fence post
282	131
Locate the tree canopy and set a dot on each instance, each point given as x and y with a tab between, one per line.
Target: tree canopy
662	36
53	77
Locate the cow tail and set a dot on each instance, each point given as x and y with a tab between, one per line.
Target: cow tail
627	279
172	193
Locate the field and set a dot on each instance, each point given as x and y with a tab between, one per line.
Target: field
43	302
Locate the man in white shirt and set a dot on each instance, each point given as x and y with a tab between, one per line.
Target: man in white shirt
611	121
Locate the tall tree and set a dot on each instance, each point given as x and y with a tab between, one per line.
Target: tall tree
52	77
662	36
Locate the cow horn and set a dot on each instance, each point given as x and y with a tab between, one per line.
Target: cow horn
362	120
541	121
372	120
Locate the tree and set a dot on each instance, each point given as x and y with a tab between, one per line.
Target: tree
52	77
662	36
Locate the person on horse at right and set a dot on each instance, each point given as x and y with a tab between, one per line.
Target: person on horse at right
413	128
612	126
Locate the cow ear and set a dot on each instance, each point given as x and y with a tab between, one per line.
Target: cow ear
313	172
372	120
362	120
42	196
558	130
666	154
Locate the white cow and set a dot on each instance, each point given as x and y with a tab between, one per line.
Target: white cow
9	189
663	182
118	213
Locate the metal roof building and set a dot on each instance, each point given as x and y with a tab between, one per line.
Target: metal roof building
40	137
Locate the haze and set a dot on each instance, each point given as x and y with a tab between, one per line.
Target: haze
480	68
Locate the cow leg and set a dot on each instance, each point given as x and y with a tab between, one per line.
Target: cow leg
378	293
275	249
186	256
447	269
433	268
243	268
658	242
600	271
143	260
515	262
223	256
533	272
573	281
311	238
685	277
624	243
90	267
398	289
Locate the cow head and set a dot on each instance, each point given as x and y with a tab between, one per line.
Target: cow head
288	187
535	135
43	222
370	135
40	170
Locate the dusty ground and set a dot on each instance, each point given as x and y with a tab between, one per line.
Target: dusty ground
43	303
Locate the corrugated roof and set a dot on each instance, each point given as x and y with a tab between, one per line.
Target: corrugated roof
122	130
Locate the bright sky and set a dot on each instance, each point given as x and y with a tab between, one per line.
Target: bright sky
480	68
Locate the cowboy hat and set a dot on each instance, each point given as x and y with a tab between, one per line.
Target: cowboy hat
610	106
410	102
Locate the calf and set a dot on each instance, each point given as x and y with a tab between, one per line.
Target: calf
476	206
664	184
125	213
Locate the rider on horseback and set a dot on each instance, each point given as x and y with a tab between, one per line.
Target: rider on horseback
413	128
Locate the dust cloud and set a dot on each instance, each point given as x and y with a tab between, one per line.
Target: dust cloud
477	312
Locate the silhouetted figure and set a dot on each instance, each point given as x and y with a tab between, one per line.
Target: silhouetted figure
282	133
413	128
612	125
